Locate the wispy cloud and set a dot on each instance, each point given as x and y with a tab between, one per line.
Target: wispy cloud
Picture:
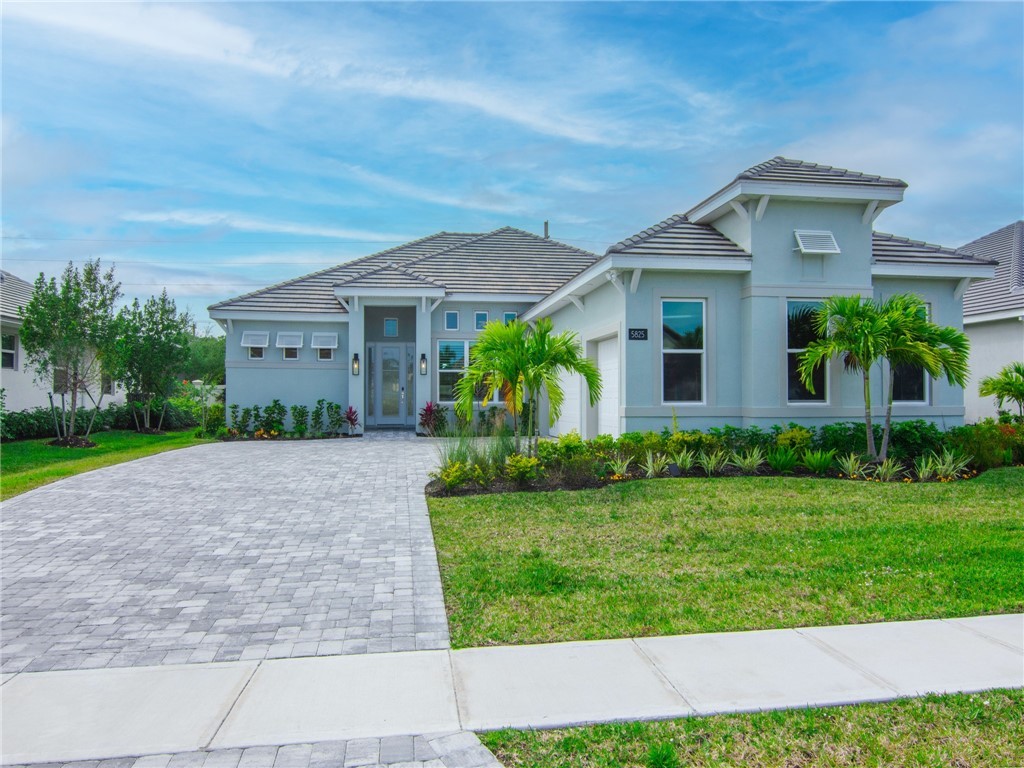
245	223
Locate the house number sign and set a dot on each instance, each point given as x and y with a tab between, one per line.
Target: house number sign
638	334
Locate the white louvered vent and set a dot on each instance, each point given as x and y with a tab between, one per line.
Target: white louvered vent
324	341
289	340
255	338
812	241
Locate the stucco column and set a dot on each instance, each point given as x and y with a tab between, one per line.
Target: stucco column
357	346
423	347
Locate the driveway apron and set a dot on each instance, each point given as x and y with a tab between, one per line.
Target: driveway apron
223	552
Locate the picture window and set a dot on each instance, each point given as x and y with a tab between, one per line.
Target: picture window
682	345
799	334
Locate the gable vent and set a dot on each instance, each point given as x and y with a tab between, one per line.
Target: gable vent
811	241
255	339
289	340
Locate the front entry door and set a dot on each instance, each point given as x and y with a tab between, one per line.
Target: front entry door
392	383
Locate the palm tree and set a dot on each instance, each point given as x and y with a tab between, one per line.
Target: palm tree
1008	384
520	363
912	340
854	331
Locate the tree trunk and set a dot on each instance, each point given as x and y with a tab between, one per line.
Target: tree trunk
95	412
888	416
74	404
872	453
163	411
56	423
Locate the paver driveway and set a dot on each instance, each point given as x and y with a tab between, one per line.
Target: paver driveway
222	552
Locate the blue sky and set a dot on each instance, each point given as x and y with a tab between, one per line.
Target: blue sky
216	148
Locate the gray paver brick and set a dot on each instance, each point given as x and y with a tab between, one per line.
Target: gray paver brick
228	551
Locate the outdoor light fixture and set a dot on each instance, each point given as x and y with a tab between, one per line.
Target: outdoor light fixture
355	364
423	364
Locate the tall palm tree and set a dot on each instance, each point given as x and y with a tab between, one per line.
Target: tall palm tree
854	331
1008	384
914	341
519	363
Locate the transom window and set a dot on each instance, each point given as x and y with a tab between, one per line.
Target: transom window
479	320
451	320
390	327
800	333
682	347
10	350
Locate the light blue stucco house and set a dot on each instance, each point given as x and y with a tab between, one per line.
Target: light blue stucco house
700	316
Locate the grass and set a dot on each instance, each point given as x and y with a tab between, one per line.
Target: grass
28	464
954	730
662	557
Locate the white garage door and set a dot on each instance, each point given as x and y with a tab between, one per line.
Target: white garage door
571	414
608	408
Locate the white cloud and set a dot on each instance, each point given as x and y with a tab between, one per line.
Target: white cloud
244	223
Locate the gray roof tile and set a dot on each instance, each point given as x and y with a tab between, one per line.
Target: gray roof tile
14	294
1004	292
678	236
787	170
892	248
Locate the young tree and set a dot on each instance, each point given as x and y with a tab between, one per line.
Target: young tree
67	332
520	363
152	348
1008	384
205	359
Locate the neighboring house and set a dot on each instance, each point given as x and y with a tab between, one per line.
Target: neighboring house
994	314
699	317
21	389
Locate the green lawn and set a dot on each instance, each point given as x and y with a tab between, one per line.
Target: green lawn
671	556
28	464
957	730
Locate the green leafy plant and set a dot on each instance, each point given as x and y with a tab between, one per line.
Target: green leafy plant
316	423
924	467
619	466
748	461
888	470
244	421
662	755
300	419
819	462
351	417
234	411
273	417
522	470
950	465
712	462
782	459
852	466
455	475
796	437
684	458
433	419
1008	384
335	418
654	464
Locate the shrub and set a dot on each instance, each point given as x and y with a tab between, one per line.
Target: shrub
619	466
351	419
782	459
273	417
712	462
738	439
335	418
796	437
749	461
909	439
889	470
654	464
845	437
433	419
234	411
316	423
989	443
924	467
695	441
684	459
950	465
853	466
819	462
455	475
243	421
522	470
300	419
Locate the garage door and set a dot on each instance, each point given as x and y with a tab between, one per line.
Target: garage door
571	410
608	408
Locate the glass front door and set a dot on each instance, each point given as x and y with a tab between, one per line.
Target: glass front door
391	383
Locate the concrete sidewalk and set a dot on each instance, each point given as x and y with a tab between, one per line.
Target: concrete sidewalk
106	713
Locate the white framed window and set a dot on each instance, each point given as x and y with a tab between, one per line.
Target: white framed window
682	350
256	342
390	327
289	353
451	320
10	350
508	317
910	382
800	333
324	344
452	360
479	320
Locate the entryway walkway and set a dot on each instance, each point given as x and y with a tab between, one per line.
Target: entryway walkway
217	713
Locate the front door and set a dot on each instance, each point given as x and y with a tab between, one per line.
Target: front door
392	395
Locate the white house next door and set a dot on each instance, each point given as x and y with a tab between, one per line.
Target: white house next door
391	379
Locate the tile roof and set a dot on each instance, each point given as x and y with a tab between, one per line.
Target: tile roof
886	247
786	170
1004	292
507	260
678	236
14	293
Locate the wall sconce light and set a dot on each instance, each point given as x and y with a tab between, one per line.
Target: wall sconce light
423	364
355	364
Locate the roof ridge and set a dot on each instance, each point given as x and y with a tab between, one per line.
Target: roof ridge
757	170
324	271
543	239
647	234
391	266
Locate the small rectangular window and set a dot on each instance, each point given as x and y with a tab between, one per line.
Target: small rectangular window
255	353
909	384
510	316
799	333
10	350
451	320
390	327
107	384
682	346
289	340
290	353
325	354
255	338
479	320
